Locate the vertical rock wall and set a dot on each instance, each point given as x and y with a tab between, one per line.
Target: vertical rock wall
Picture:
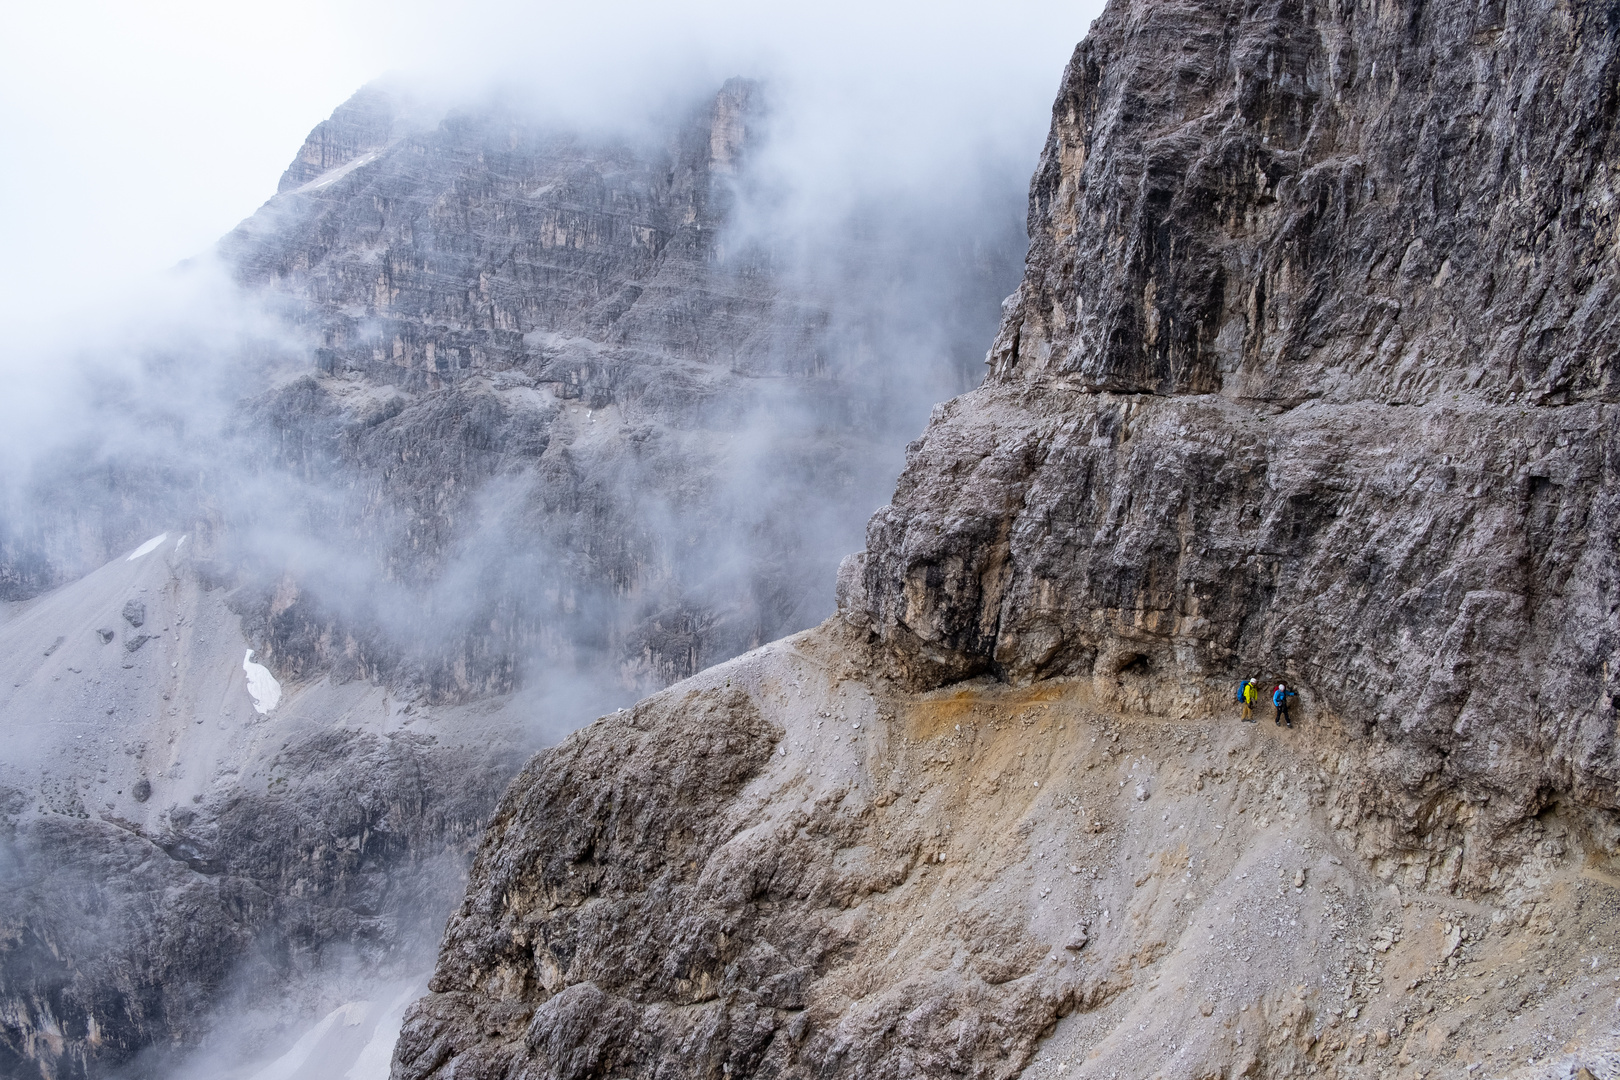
1311	377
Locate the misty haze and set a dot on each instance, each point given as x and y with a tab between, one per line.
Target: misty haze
699	541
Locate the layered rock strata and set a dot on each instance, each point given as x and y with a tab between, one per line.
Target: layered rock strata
1310	378
541	393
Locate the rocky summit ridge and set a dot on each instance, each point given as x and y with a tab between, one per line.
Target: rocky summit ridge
1311	377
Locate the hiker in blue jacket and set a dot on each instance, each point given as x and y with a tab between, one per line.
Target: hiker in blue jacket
1279	698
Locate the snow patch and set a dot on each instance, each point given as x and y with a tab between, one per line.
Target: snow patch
375	1058
332	176
294	1062
262	685
148	547
355	1041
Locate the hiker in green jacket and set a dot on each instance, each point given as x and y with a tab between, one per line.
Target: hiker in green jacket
1250	695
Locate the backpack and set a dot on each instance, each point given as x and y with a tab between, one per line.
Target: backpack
1237	695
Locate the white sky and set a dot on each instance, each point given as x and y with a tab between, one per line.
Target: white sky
136	134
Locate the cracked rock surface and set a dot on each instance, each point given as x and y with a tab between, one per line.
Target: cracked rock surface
1311	378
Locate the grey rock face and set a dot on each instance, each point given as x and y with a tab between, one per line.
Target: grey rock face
675	765
1311	377
364	124
525	335
1307	206
255	889
177	863
440	250
671	892
553	409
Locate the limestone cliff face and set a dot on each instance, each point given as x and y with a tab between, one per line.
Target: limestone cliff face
535	364
1312	376
1316	204
425	256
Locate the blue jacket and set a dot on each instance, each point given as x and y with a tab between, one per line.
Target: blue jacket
1277	696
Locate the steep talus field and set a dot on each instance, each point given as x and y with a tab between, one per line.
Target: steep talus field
1311	378
794	865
